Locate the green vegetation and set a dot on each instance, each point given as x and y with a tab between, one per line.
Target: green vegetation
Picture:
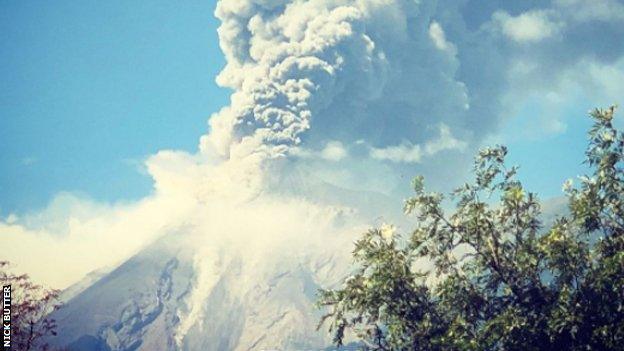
490	275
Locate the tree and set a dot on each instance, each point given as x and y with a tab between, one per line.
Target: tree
489	275
30	308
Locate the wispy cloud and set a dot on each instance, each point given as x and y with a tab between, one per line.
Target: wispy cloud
530	26
410	153
332	151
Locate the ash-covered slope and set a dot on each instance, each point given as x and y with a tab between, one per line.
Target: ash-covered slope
132	307
172	296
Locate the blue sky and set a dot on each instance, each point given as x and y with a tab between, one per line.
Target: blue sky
90	88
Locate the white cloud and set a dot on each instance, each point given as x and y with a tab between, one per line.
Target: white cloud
409	153
74	236
445	141
11	218
436	33
405	152
334	151
560	96
577	71
604	81
531	26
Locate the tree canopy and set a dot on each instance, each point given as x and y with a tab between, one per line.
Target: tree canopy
490	275
31	306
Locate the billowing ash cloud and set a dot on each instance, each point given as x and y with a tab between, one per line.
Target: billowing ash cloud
369	83
308	72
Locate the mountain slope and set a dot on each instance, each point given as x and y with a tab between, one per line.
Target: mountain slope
170	296
196	288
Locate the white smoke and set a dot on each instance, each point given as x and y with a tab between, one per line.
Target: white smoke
265	235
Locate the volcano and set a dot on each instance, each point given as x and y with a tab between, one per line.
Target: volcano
183	292
164	298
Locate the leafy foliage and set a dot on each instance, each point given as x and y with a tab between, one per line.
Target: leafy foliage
31	305
489	276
